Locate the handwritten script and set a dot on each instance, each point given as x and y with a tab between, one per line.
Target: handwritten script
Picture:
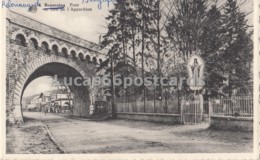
100	2
10	4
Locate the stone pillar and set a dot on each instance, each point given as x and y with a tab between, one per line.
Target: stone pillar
92	96
201	106
17	114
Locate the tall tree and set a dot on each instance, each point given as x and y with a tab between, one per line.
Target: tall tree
236	52
210	46
221	37
186	25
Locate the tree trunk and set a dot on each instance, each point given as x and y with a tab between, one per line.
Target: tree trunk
142	55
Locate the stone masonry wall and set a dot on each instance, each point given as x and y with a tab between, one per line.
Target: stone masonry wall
38	27
232	123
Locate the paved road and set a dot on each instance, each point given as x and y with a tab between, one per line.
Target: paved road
121	136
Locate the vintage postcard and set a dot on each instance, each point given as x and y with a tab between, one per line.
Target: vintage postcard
130	79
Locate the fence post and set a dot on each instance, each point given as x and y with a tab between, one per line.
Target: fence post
210	109
181	111
201	107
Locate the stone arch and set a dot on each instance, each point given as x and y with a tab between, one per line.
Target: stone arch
20	39
82	52
45	40
81	57
100	61
20	31
33	40
65	46
88	58
45	46
64	52
86	53
30	68
73	54
33	36
56	44
55	49
73	49
33	43
94	59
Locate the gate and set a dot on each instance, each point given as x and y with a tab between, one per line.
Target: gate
191	112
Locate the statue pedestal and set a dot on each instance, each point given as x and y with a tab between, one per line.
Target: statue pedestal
201	103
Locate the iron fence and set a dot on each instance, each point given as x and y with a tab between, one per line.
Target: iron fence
149	106
191	112
236	106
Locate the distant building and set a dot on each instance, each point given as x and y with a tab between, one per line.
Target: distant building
45	98
35	100
54	101
42	99
35	103
61	99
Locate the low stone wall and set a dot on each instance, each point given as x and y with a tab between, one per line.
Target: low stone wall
232	123
151	117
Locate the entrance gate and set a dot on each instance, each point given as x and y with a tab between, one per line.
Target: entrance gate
191	112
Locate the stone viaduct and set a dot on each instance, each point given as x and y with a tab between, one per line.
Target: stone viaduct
34	49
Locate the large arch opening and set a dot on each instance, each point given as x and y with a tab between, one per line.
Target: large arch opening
36	96
81	94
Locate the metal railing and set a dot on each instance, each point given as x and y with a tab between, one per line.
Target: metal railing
239	106
151	106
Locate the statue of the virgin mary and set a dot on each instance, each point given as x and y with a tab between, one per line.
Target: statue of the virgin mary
195	80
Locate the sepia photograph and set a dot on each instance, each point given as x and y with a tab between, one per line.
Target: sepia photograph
106	77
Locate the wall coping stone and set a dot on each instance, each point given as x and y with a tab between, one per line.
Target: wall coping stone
233	118
150	114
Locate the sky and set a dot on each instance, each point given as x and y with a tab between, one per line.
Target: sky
87	25
90	24
39	85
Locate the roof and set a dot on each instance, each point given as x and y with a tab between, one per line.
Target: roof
36	97
58	92
48	93
62	99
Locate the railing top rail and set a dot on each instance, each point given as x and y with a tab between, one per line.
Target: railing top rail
238	97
